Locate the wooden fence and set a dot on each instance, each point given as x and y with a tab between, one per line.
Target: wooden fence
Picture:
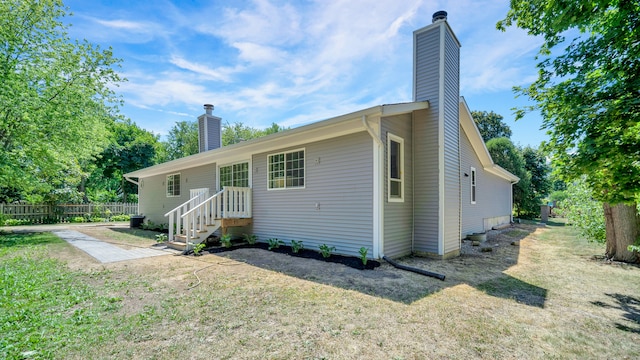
65	212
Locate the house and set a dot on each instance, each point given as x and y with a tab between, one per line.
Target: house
397	179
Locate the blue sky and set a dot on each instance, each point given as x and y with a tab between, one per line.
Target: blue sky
296	62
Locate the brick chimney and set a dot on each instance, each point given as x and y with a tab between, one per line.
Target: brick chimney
209	130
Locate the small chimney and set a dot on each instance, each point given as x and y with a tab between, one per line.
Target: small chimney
439	15
209	130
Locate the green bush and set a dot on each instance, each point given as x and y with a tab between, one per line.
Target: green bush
121	217
77	219
296	246
585	213
16	222
250	239
326	250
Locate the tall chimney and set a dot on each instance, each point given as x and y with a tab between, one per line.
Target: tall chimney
209	130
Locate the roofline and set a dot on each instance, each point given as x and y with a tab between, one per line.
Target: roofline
477	143
258	145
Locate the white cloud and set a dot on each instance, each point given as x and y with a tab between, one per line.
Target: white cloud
219	74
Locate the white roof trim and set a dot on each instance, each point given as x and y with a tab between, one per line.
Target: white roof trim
340	125
469	127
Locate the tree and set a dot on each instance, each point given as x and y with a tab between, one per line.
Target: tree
505	154
536	164
236	132
56	98
182	140
491	125
588	97
131	148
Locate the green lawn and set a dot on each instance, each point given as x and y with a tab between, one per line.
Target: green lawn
552	300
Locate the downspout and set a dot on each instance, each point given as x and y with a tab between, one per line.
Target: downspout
370	131
378	210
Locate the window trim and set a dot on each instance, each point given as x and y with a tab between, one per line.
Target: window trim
473	182
397	139
249	172
173	180
304	169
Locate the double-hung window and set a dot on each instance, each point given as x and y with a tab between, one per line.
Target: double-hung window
234	175
173	185
286	170
395	168
473	185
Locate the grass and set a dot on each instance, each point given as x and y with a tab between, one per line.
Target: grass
551	300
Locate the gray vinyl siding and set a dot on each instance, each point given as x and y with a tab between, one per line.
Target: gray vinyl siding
452	148
213	133
427	60
339	178
428	77
153	200
492	193
398	216
425	140
425	181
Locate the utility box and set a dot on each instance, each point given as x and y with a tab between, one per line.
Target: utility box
135	221
544	213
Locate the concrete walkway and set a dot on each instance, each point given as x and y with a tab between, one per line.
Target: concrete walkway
102	251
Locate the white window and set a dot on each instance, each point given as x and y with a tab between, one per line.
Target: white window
286	170
173	185
395	171
234	175
473	185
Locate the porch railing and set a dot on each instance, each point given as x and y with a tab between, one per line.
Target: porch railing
230	202
175	215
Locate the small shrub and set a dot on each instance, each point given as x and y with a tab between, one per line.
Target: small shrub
274	243
363	255
162	237
97	219
296	246
198	248
77	219
225	240
16	222
250	239
326	250
121	217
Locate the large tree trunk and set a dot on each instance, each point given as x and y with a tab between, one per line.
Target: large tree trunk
623	229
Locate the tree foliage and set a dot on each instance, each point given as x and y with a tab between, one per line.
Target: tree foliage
491	125
583	211
56	100
588	95
182	140
236	132
130	148
505	154
536	164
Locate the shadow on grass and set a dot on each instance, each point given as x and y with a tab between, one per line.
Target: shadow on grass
630	306
555	223
9	240
147	234
511	288
479	269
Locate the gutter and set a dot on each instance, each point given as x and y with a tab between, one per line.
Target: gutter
131	180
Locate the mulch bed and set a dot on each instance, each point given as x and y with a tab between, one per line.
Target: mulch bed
350	261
